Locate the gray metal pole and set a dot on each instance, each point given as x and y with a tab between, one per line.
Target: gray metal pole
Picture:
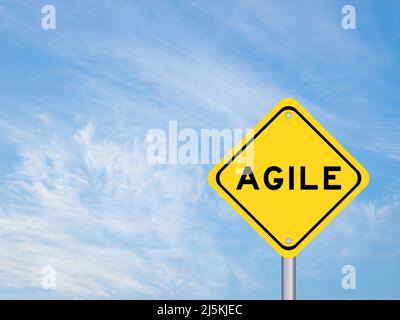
288	278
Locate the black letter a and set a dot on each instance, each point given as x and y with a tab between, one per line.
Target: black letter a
251	180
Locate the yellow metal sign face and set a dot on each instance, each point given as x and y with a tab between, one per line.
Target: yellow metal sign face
288	178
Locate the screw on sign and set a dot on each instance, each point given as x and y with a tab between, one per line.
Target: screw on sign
288	178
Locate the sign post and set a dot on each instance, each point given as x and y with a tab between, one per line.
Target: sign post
288	178
288	278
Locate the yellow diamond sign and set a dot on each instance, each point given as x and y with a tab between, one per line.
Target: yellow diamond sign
288	178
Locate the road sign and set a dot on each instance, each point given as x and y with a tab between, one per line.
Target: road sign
288	178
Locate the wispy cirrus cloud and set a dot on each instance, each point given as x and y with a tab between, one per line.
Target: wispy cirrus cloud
111	224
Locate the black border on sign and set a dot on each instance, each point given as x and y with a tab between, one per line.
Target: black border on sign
251	215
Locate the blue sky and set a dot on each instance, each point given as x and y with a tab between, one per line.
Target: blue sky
76	104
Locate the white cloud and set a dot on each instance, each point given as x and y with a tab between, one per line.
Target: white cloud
364	229
111	224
